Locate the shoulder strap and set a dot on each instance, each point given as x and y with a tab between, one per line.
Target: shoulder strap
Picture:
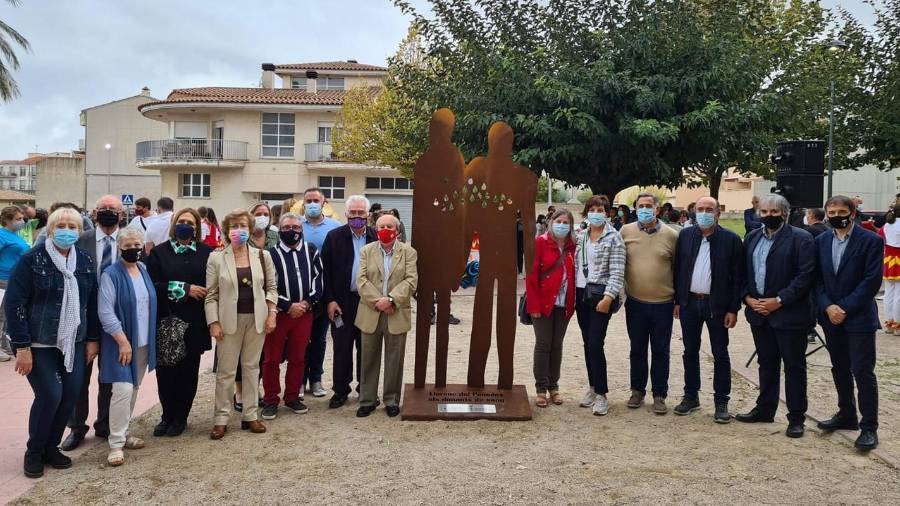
556	265
262	262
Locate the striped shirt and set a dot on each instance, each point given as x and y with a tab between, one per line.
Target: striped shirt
299	274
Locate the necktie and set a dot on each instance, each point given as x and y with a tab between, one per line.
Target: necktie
106	257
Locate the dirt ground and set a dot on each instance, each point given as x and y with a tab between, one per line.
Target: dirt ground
564	456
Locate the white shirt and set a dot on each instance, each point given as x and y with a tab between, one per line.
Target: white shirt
892	234
588	251
141	223
99	236
158	229
564	286
701	278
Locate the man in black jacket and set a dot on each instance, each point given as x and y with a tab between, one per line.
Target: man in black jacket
814	221
340	259
780	264
708	287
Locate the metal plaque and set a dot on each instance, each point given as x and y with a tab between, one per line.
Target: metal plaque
467	408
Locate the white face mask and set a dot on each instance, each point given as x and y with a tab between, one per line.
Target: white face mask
262	222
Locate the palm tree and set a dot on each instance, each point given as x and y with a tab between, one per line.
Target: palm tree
8	87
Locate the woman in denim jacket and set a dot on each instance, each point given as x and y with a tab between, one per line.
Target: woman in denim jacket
51	310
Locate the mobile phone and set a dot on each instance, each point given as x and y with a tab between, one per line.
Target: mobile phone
338	321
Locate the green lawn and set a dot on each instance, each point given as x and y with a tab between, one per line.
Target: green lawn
736	226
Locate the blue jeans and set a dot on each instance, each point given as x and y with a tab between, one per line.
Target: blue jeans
55	393
649	324
315	350
693	316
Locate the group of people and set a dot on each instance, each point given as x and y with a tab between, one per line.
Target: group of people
703	275
155	295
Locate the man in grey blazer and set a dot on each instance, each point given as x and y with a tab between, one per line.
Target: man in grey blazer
100	245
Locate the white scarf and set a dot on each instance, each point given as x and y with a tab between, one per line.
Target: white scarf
70	309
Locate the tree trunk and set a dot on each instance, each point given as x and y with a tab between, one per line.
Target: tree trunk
715	181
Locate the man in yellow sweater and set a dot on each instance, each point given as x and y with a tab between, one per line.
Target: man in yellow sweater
649	284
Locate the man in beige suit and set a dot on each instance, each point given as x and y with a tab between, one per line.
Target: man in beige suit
386	280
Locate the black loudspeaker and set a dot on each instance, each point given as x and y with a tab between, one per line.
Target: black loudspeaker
800	172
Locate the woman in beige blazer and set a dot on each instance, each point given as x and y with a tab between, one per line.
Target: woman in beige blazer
241	294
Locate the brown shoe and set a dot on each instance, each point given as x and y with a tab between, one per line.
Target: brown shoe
254	426
637	398
218	431
659	406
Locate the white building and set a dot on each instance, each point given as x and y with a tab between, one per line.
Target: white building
20	175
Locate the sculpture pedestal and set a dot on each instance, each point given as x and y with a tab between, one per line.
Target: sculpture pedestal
461	402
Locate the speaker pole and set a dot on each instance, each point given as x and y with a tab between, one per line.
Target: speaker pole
831	140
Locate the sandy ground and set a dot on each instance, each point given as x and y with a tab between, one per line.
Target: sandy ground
564	456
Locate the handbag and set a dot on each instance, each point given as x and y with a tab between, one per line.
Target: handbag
170	347
524	317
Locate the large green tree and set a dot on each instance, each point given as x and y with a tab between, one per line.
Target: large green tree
9	62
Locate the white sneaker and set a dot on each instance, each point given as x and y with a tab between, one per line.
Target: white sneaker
4	357
589	397
601	405
318	389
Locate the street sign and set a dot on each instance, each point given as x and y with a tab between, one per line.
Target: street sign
127	200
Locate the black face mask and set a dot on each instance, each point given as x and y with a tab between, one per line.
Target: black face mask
290	237
839	222
132	255
772	222
108	218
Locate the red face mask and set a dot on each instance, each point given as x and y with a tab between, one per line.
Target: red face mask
139	212
386	235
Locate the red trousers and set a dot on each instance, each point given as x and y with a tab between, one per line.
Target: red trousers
295	332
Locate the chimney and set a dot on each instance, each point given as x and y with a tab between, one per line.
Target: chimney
311	76
268	76
145	91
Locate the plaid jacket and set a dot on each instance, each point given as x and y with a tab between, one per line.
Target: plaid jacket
607	265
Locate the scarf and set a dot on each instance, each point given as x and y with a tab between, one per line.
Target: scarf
70	309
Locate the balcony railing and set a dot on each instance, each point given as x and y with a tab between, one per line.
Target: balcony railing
189	150
319	152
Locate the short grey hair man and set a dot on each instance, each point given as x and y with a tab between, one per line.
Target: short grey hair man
289	216
356	198
775	201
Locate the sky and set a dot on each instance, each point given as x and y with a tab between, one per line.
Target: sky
89	52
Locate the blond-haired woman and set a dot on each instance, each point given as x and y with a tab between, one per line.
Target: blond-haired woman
51	311
240	302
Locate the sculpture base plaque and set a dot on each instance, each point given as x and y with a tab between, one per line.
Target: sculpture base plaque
461	402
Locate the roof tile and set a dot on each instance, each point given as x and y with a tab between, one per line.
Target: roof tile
260	96
331	65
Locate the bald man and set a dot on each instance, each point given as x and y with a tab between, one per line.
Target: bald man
100	245
708	287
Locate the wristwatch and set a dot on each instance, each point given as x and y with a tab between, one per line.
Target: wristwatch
391	300
778	300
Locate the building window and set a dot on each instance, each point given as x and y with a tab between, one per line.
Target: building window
195	185
298	83
330	83
278	135
332	186
388	183
325	133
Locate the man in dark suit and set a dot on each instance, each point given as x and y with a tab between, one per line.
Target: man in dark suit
814	221
100	245
708	288
751	219
340	260
848	276
780	264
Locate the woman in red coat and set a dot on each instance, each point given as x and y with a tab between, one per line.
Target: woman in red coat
550	300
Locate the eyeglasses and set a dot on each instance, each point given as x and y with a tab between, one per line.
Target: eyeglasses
109	209
295	228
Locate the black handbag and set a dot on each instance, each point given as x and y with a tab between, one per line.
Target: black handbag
170	346
524	317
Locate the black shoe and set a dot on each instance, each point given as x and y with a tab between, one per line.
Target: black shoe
34	465
298	407
722	415
432	319
687	406
867	440
838	422
74	439
238	406
161	429
811	338
453	320
176	429
337	401
392	411
364	411
754	416
795	430
102	433
269	412
56	459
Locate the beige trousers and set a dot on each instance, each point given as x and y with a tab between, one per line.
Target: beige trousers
247	344
124	395
394	351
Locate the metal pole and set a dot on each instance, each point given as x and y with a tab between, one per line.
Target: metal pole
549	190
831	141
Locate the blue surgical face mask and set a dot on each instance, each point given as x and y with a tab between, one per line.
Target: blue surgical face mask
596	219
64	238
706	220
313	209
645	215
561	229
